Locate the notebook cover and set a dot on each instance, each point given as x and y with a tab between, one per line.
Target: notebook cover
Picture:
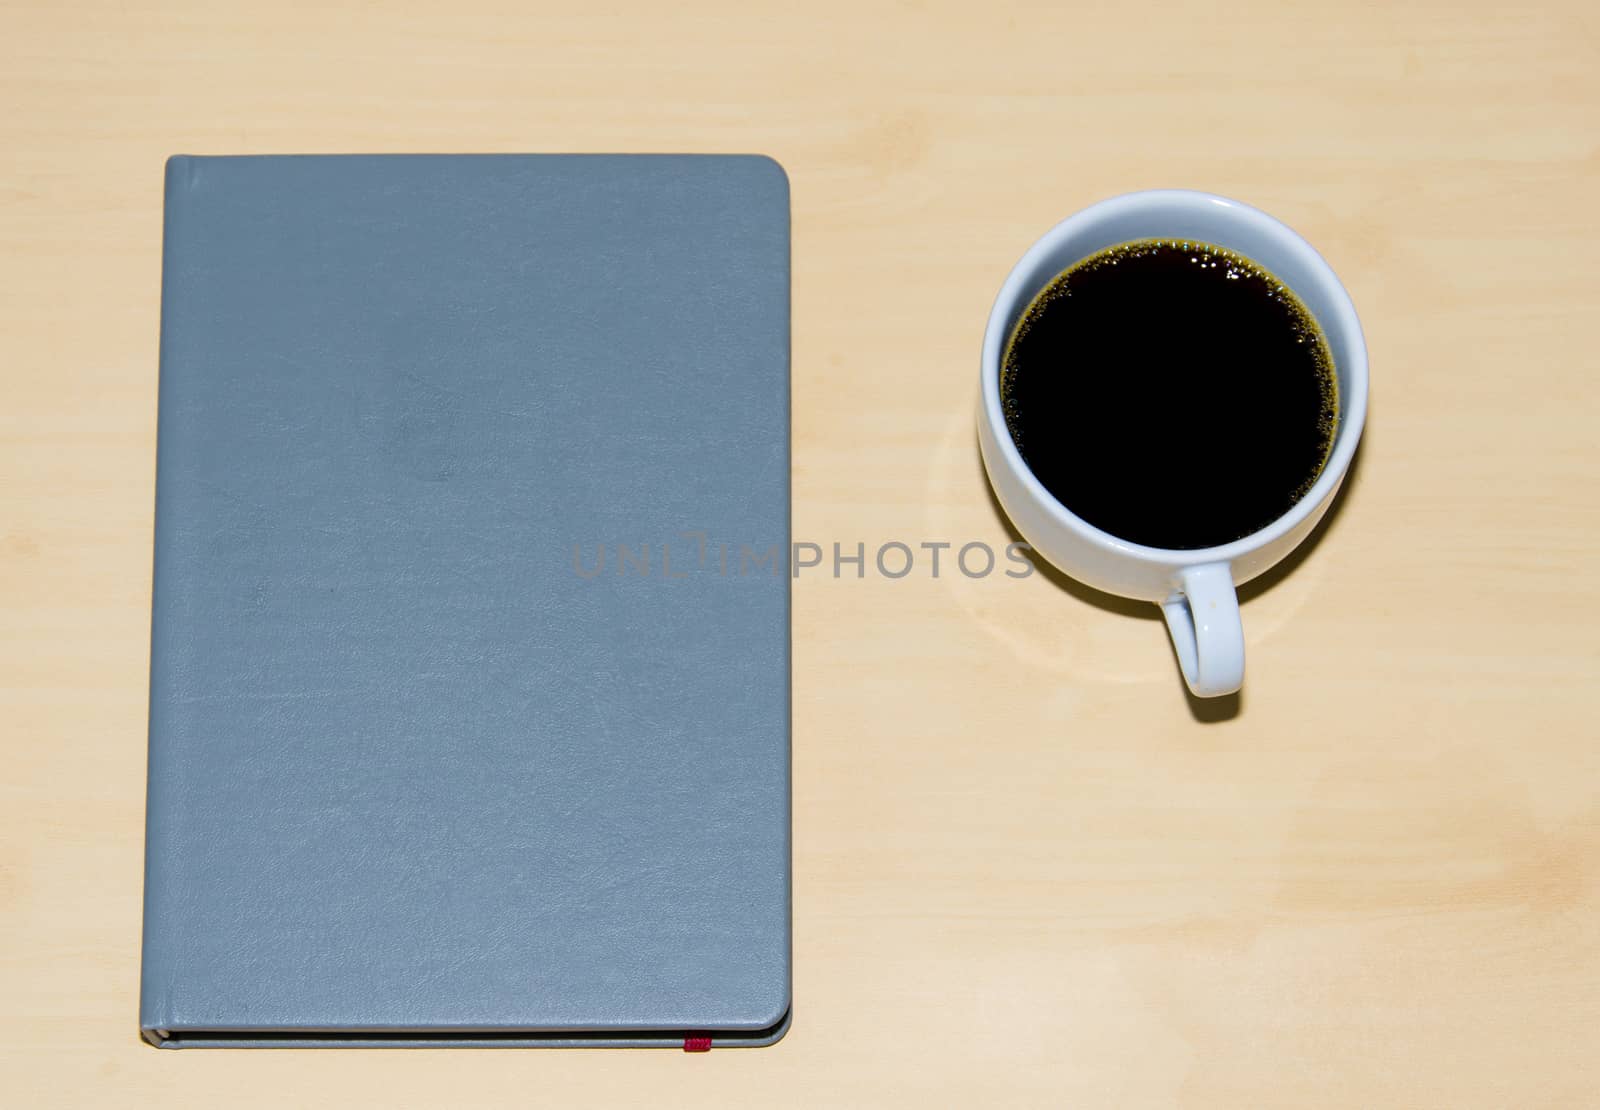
417	774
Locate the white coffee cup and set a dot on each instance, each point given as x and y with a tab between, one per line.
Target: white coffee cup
1195	589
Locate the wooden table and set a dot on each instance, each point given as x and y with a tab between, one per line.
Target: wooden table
1028	869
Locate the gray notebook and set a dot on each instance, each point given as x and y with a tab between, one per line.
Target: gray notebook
469	695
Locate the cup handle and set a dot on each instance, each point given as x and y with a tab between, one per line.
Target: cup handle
1203	617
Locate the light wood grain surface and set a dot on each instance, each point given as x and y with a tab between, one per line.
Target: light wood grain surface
1028	869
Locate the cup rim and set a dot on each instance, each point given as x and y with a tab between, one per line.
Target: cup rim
1353	409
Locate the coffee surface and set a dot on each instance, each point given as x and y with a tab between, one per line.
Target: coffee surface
1172	393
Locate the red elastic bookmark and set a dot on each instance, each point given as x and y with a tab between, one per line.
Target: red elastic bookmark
697	1044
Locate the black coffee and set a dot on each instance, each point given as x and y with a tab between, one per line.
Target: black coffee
1172	393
